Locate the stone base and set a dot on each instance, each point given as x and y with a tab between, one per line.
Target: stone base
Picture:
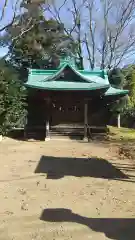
47	139
85	139
0	138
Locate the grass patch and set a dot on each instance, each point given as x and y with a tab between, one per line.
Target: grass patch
122	134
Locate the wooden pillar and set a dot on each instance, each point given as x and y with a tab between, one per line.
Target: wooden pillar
47	122
25	127
85	120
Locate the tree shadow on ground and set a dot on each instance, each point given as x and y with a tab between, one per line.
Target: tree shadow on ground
18	134
58	167
113	228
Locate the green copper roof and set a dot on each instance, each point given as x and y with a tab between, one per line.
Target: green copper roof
84	80
114	91
61	85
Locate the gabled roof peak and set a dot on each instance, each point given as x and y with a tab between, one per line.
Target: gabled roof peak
67	60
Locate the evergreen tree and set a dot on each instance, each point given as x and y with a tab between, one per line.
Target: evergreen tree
33	42
117	80
129	73
129	114
12	98
41	45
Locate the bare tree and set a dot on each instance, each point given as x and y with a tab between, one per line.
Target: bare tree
103	29
121	37
73	28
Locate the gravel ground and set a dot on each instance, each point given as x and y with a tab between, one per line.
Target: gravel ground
65	190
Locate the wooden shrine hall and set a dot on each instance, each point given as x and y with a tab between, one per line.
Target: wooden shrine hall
67	100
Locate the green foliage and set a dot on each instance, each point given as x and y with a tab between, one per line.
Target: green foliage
117	80
120	105
12	98
33	42
129	113
130	85
40	45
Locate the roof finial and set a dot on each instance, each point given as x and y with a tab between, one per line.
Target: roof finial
67	60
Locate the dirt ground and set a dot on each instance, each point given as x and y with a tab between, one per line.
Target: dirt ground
65	190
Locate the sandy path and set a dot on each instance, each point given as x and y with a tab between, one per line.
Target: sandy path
73	194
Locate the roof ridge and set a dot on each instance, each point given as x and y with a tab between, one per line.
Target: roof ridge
56	74
73	69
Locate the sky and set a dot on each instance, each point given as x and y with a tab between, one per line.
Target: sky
7	18
3	51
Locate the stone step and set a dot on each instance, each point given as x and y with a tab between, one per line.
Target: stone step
66	132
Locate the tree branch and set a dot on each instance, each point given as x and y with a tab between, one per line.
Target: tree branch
3	13
3	9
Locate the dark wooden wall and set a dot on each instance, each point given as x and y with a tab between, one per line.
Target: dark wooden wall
65	108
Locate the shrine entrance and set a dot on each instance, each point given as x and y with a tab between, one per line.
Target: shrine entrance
66	112
66	97
66	115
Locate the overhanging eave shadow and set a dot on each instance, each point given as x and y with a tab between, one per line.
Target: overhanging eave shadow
58	167
113	228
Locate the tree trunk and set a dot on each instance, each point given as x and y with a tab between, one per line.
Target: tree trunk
118	120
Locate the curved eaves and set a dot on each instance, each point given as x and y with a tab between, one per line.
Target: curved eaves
114	91
87	79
